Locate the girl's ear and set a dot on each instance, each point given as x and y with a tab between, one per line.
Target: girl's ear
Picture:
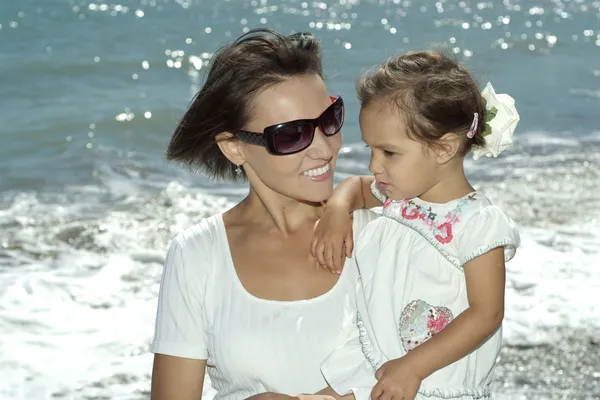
447	147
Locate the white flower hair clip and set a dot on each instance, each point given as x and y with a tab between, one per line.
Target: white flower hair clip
501	119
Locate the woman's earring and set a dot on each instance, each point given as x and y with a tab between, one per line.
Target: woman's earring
238	171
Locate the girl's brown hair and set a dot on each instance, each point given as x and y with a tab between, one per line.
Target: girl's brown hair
436	94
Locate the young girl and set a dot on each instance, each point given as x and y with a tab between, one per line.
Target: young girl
431	270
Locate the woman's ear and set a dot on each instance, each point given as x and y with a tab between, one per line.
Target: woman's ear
447	147
231	147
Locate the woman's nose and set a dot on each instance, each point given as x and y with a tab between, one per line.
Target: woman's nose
322	146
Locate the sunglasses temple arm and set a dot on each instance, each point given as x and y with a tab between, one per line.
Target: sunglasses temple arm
251	137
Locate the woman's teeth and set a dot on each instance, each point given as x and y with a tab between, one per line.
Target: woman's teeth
317	171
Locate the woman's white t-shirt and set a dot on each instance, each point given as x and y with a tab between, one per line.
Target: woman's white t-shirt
251	345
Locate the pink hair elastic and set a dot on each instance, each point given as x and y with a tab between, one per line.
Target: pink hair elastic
473	128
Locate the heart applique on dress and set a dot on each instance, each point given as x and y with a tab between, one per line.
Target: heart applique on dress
420	321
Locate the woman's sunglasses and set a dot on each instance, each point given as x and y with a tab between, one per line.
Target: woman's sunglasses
294	136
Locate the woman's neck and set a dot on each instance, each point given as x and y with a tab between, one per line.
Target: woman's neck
276	211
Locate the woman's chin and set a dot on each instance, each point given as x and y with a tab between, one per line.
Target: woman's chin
320	197
314	193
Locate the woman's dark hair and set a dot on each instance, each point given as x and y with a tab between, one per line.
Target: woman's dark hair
436	94
257	60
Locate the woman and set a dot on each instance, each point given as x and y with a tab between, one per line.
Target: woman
241	298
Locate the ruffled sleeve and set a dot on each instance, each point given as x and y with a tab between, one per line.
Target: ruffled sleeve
485	230
180	323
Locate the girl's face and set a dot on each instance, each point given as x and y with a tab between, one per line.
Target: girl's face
403	167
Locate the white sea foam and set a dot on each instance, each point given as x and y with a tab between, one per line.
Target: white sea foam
79	322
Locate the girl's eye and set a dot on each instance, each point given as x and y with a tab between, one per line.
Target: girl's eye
388	153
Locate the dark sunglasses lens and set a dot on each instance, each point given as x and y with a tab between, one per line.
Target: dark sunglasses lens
291	139
332	119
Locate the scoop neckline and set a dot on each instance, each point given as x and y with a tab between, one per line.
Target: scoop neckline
238	283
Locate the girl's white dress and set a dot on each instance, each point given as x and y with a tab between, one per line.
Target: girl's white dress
411	285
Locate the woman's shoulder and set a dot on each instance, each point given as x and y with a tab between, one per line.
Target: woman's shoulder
206	229
197	241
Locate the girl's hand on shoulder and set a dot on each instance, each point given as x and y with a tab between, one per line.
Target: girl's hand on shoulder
332	238
397	380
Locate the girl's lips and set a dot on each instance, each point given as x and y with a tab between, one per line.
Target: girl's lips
382	185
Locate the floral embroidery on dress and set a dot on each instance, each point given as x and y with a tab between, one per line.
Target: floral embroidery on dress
420	321
441	229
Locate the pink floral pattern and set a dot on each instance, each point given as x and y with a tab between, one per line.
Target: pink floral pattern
445	233
420	321
440	228
436	323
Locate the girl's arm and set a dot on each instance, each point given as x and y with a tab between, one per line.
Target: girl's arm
332	239
353	194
